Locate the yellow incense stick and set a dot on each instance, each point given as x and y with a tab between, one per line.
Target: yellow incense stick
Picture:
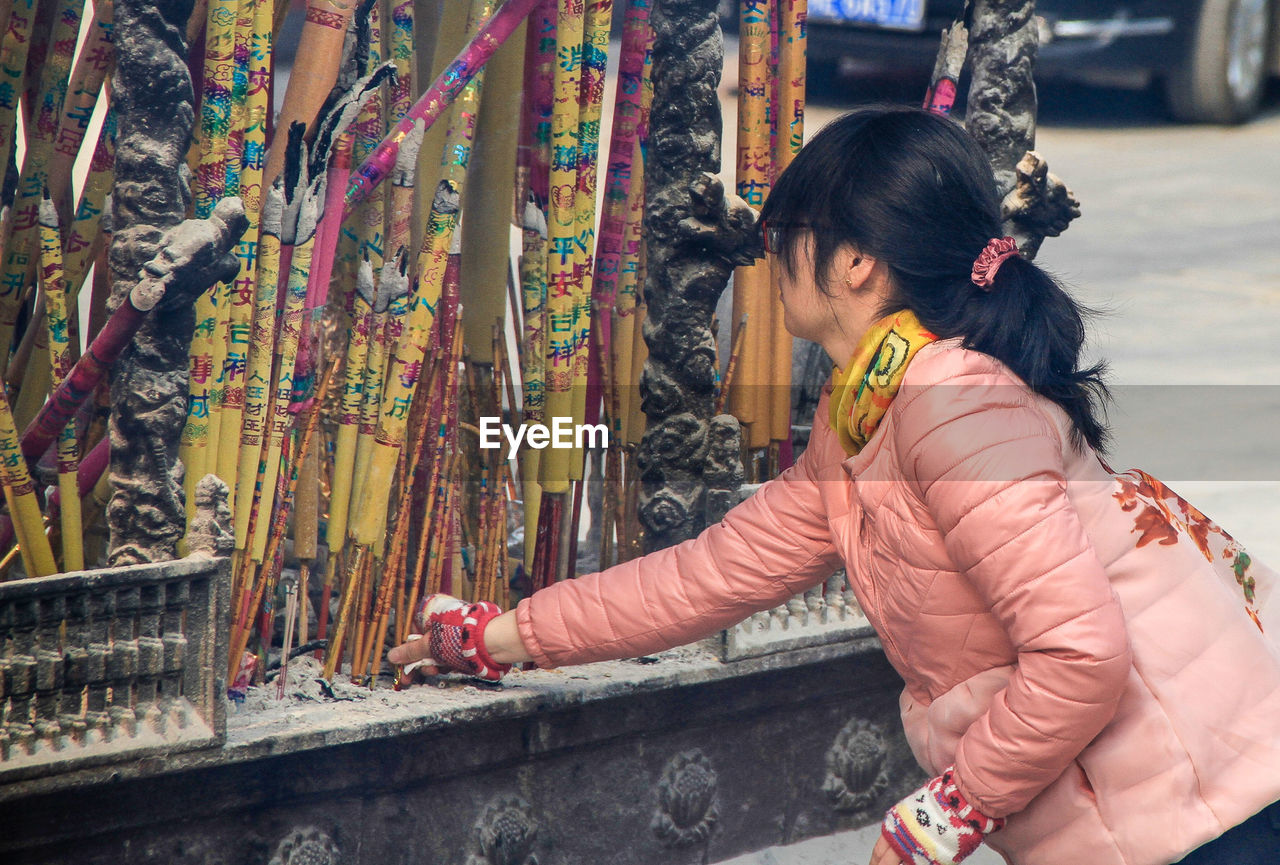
564	280
210	183
24	510
280	421
60	361
243	296
349	419
258	375
21	247
751	284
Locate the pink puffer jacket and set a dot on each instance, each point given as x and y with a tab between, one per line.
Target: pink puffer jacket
1088	671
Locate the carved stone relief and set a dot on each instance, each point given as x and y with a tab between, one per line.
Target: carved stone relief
505	834
856	772
306	846
687	811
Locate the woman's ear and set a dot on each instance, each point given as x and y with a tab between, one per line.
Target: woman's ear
853	268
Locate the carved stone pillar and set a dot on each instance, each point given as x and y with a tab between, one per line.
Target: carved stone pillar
696	234
1001	112
153	99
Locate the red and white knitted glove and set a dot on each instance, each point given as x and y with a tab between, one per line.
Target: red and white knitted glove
935	825
456	631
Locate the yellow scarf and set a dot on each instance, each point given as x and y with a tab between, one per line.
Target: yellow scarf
868	384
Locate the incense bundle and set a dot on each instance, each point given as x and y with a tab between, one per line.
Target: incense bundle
207	188
279	419
22	244
94	63
349	420
442	92
244	296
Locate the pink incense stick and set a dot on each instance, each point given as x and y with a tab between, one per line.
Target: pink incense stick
443	91
627	106
325	250
83	379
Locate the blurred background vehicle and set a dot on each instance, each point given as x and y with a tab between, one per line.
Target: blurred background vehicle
1211	59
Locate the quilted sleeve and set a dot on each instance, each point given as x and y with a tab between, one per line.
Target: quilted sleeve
766	549
987	463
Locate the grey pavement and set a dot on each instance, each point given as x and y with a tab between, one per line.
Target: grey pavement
843	848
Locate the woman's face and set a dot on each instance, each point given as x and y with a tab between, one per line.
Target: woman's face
807	312
858	287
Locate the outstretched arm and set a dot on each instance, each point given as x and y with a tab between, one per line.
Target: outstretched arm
767	549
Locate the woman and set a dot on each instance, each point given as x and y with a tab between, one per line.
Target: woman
1086	672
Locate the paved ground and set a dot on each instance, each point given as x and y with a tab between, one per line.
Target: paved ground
1179	245
845	848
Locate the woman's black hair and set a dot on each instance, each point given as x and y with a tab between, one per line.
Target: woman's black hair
914	190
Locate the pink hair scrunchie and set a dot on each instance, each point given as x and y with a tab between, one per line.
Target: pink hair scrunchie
997	250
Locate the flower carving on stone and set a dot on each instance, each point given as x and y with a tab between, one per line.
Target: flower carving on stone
306	846
505	834
856	771
687	811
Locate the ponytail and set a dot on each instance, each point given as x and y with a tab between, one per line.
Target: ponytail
1028	322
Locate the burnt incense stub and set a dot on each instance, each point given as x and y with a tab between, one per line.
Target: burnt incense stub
696	234
156	258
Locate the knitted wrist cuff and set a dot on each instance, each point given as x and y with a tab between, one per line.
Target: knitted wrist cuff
483	613
936	825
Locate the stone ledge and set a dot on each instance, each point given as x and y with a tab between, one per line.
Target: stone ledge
293	727
684	760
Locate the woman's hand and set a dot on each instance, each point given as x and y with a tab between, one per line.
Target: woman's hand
883	854
451	638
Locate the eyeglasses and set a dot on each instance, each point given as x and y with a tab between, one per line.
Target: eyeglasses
775	232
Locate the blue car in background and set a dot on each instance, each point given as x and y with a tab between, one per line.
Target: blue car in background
1212	58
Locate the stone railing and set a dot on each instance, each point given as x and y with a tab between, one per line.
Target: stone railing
101	666
825	614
